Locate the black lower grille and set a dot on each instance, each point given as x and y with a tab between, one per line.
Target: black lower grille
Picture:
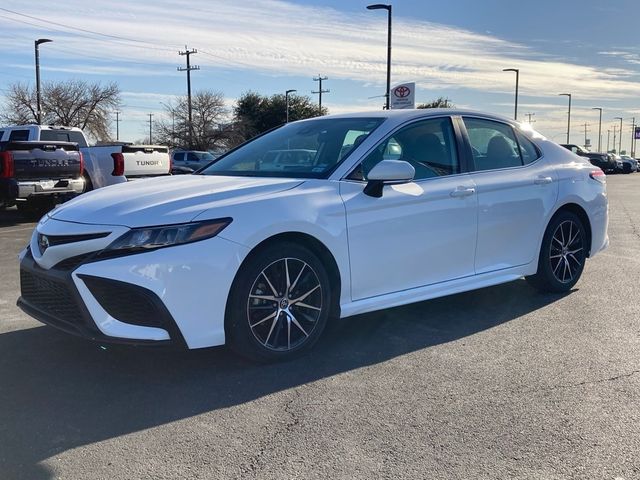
53	298
126	302
72	263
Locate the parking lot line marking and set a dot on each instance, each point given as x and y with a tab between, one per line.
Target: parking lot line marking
16	229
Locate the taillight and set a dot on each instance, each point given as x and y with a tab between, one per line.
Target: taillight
118	164
81	163
598	175
6	165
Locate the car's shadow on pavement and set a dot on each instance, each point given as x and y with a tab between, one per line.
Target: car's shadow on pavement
58	392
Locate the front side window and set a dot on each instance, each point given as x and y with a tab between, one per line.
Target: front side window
428	145
493	144
307	149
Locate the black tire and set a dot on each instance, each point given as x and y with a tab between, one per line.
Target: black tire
560	265
88	184
267	327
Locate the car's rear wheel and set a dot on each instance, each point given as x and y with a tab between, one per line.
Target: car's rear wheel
562	255
88	184
279	303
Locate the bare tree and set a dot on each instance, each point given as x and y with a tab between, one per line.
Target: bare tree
210	129
440	102
72	103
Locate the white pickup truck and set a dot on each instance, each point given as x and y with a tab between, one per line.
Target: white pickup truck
104	164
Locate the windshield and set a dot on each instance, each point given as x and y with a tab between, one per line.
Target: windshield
308	149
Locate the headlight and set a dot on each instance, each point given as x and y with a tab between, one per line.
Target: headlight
150	238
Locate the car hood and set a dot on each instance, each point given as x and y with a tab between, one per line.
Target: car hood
165	200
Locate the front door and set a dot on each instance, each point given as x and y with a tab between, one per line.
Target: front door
419	233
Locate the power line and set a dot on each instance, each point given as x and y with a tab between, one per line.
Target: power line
320	91
75	28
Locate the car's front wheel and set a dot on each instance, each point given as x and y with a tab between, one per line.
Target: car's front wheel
562	255
279	303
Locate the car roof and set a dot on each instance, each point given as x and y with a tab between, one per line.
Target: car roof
418	112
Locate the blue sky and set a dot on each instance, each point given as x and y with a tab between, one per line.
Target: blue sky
454	49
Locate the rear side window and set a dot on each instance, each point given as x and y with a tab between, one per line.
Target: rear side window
1	134
528	150
493	144
63	136
19	136
178	157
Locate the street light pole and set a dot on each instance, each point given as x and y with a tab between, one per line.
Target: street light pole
615	129
38	101
608	138
515	115
633	137
286	98
381	6
599	127
568	115
620	139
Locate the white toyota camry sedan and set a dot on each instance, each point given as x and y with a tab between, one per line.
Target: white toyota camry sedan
265	245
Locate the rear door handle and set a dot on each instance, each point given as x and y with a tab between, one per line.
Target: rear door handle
543	180
463	192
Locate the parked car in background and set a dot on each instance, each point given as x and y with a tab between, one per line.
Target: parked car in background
106	164
619	168
261	248
602	160
188	161
630	164
35	175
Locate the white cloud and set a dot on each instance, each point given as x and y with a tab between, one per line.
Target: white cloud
281	38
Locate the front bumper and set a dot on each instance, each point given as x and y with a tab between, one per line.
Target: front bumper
51	297
174	295
12	189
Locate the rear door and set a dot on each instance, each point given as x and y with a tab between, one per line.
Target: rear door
517	189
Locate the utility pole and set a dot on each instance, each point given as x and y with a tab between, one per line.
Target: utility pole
620	132
614	139
150	123
117	125
188	69
608	134
320	91
568	115
530	115
585	134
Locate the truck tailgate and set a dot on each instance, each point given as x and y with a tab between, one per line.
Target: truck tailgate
45	160
145	161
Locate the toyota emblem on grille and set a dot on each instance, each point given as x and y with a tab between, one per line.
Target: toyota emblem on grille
43	242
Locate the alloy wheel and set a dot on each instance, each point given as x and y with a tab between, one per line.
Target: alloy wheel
566	251
284	304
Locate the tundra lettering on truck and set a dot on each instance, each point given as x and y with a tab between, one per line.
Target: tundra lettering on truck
48	163
141	163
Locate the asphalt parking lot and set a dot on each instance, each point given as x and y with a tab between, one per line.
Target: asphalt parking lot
498	383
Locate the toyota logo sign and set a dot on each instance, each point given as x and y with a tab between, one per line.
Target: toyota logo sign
402	91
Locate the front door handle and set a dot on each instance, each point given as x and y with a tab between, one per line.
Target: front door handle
463	192
543	180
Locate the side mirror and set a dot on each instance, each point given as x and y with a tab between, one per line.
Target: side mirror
388	172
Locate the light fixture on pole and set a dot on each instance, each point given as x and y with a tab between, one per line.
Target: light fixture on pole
382	6
517	70
568	115
599	128
286	98
37	43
